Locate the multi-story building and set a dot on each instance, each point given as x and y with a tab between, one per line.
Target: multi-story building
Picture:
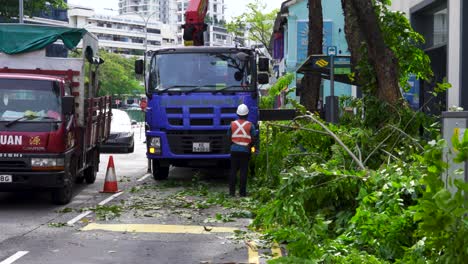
123	34
172	12
290	40
54	14
162	10
168	11
144	7
440	22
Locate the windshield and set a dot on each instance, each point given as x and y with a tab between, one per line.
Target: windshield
32	100
200	72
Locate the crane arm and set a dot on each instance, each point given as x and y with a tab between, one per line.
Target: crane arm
195	23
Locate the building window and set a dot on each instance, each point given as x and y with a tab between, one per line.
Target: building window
440	28
154	31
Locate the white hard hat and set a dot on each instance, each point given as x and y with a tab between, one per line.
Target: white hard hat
242	110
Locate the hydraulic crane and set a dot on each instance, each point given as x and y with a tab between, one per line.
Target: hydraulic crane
195	25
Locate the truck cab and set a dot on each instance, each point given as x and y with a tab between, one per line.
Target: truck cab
52	122
193	96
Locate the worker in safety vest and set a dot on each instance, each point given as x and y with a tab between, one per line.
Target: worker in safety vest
242	134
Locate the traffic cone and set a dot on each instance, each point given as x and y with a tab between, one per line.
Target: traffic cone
110	183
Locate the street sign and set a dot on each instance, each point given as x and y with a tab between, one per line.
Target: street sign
342	61
323	62
331	50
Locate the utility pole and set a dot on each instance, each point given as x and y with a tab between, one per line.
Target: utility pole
21	11
332	100
145	44
146	21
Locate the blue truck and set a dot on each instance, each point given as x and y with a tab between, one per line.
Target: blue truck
193	93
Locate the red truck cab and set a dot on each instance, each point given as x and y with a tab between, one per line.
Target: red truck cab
51	122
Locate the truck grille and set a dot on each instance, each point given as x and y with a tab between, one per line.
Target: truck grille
201	122
182	142
227	121
176	121
174	110
201	110
12	164
228	110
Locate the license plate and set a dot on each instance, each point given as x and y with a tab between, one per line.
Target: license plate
6	178
201	147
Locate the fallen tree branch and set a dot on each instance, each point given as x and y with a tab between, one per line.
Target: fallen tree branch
334	136
298	127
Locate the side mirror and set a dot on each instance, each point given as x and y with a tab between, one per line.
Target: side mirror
242	56
238	76
89	54
263	78
263	64
68	105
139	66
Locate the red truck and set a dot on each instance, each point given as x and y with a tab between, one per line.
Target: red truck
52	122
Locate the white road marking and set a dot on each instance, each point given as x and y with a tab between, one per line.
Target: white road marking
79	217
110	198
144	177
14	257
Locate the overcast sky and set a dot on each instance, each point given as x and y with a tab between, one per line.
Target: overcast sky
233	7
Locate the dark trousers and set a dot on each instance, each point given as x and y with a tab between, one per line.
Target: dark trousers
239	161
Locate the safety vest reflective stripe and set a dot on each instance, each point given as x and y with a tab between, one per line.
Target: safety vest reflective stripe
241	132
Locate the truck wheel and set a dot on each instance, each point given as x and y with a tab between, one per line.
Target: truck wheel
131	149
90	175
64	194
91	171
79	179
159	172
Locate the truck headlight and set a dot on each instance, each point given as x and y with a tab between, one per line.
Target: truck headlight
154	145
48	163
155	142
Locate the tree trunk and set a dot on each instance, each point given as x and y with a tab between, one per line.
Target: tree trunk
354	37
311	83
380	56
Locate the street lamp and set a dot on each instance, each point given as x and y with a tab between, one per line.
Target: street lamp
146	21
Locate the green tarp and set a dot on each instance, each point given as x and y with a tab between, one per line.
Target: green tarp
16	38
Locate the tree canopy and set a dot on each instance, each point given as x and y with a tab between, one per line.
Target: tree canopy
116	75
10	8
257	24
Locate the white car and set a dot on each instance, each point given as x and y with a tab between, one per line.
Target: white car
121	138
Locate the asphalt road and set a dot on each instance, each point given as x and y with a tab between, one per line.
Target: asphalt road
181	220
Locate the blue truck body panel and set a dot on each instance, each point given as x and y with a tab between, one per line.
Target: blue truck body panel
204	116
193	97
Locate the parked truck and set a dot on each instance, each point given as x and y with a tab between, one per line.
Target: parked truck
193	95
52	122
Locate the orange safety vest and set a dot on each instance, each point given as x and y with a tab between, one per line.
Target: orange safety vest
240	132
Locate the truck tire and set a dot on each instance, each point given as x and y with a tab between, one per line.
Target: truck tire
79	179
91	172
63	195
159	172
90	175
131	149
